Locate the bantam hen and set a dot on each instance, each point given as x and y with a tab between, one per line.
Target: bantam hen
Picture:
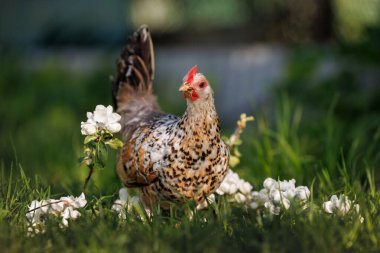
170	158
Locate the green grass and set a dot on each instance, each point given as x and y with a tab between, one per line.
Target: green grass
327	137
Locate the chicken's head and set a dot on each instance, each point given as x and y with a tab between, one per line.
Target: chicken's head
195	86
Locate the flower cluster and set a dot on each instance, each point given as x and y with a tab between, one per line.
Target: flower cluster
65	208
103	118
121	205
341	206
235	187
277	194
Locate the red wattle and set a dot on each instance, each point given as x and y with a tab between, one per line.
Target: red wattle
194	96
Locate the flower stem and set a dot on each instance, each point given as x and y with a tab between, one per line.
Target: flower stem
48	204
240	126
88	177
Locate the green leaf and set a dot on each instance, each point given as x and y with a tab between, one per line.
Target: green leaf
101	155
107	135
114	143
85	160
89	138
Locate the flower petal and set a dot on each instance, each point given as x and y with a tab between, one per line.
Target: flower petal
269	183
113	127
328	207
100	114
123	194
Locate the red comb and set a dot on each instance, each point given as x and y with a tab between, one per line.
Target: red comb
191	74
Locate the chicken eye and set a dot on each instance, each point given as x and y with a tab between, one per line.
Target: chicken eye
201	85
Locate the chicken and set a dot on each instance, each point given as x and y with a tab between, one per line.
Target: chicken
170	158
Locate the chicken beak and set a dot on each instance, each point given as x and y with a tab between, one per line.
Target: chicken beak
185	88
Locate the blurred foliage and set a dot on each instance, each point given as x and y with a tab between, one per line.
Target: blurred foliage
89	23
352	17
326	124
41	110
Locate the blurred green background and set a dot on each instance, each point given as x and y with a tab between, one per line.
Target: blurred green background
308	71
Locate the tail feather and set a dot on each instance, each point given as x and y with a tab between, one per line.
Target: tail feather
135	66
133	86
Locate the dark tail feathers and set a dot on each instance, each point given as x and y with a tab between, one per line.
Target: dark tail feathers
135	68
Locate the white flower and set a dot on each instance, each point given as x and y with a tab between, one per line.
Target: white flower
287	185
35	212
123	193
102	118
340	206
76	202
233	189
289	194
245	187
254	205
107	119
69	213
120	206
240	198
328	206
260	197
65	207
273	209
277	194
35	228
224	188
269	183
204	204
89	127
233	184
302	193
124	203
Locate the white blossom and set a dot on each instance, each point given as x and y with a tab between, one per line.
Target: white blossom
69	213
269	183
340	206
76	202
278	194
124	203
204	204
102	118
65	207
236	188
302	193
273	209
123	194
245	187
120	206
240	198
88	127
107	119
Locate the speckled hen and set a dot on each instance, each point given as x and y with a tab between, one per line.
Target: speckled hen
170	158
